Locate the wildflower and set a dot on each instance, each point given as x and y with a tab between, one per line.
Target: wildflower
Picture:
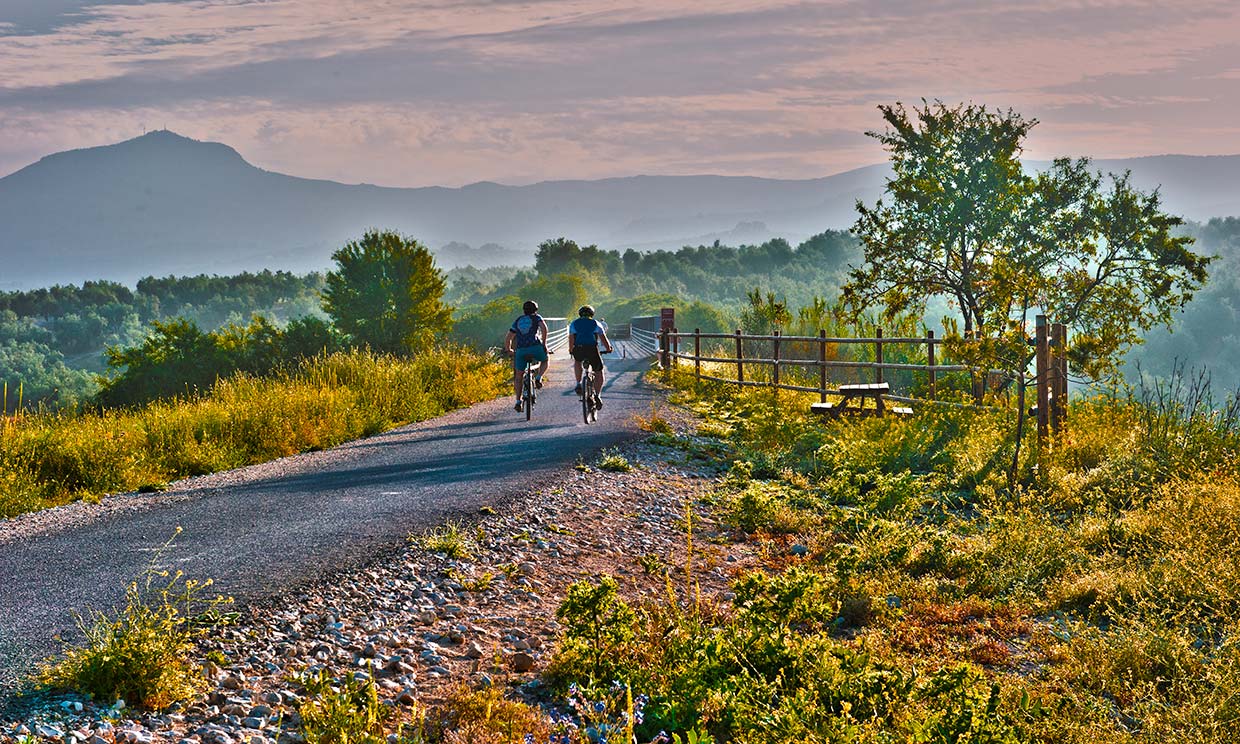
529	739
600	707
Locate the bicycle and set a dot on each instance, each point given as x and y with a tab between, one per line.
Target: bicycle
528	398
588	411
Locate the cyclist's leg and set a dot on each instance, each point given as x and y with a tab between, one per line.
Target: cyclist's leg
518	371
542	367
597	365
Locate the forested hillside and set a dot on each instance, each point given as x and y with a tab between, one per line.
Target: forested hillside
709	285
1207	335
53	340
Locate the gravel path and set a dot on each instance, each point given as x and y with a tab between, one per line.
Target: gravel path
268	529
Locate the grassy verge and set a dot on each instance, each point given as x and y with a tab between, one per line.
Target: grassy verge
911	592
51	459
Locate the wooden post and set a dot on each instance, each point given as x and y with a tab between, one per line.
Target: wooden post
675	347
878	355
697	354
740	364
775	347
1059	393
932	378
663	349
1043	377
822	365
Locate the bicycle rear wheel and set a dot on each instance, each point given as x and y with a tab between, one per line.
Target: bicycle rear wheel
528	394
586	385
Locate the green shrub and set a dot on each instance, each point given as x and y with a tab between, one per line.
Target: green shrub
598	625
144	654
343	711
450	540
614	462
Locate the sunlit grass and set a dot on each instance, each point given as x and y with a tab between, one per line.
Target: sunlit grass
53	458
918	585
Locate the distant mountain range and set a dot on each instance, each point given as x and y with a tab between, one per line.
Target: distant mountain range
163	204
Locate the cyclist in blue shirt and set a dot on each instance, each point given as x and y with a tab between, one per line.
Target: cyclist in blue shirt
584	336
526	340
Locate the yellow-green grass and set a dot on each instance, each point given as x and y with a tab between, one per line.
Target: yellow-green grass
1092	594
54	458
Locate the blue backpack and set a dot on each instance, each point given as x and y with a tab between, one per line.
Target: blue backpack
526	327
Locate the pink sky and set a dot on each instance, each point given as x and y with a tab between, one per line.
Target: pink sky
455	91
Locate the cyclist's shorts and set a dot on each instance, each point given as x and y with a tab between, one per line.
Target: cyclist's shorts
526	354
588	355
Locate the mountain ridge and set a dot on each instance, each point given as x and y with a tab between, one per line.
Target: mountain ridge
164	203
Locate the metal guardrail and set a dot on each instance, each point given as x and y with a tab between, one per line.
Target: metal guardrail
644	341
557	333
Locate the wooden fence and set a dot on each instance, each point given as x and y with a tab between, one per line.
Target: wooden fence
673	347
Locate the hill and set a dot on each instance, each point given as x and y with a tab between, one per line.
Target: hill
163	203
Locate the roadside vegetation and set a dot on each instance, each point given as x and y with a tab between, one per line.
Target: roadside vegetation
185	402
48	459
143	653
910	593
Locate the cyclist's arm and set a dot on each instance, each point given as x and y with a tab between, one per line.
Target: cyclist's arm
572	339
606	341
508	341
542	331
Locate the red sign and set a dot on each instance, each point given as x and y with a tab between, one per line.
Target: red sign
667	318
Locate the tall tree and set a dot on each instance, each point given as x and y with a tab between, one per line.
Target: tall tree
960	218
387	293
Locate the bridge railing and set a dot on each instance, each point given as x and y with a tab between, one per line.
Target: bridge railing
557	333
644	334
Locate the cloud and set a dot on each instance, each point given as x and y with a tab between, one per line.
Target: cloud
450	91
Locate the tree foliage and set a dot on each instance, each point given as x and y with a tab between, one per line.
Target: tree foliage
962	219
179	358
387	293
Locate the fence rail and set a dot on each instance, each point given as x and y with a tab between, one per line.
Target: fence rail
651	335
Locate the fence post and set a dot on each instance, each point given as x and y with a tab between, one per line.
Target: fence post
675	347
1059	392
878	355
775	347
930	362
740	365
1043	376
822	365
663	349
697	355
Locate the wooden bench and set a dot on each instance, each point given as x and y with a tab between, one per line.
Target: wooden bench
860	394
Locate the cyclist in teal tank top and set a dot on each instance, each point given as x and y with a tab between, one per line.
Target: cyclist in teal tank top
526	340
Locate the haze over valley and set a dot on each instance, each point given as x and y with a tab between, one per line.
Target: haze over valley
164	204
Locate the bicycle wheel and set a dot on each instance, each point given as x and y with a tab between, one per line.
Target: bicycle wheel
586	385
528	394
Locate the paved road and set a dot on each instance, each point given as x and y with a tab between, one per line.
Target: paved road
263	528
